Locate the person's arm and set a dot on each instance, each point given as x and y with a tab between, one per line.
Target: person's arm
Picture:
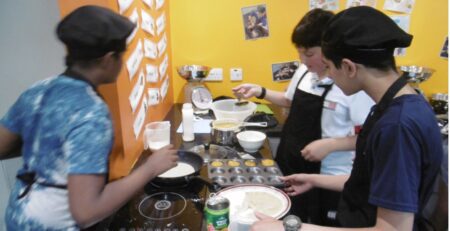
249	90
300	183
387	220
9	142
319	149
91	200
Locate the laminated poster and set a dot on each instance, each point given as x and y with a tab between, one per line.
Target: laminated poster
402	6
134	60
124	5
136	93
163	66
134	17
152	73
164	88
153	96
403	21
149	3
150	50
159	4
324	4
353	3
148	23
140	118
162	44
160	23
284	71
255	22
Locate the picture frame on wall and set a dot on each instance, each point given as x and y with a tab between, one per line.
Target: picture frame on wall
255	22
444	50
284	71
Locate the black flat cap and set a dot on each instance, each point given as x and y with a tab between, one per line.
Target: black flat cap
91	31
363	33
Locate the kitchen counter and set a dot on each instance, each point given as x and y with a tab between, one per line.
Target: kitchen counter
131	216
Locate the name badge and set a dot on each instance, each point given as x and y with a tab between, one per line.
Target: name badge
331	105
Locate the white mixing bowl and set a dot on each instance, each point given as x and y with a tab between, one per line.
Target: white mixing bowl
227	109
251	141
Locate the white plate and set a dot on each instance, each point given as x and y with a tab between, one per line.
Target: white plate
241	212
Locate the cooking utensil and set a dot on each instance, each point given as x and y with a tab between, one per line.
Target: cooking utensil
223	131
196	162
242	200
251	141
416	74
213	151
227	109
193	72
230	172
241	102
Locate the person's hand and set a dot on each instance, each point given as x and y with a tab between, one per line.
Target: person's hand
316	150
163	159
247	90
266	223
296	184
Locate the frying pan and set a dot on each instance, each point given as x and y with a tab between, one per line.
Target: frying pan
196	162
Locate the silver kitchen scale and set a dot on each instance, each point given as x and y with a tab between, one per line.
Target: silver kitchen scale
195	91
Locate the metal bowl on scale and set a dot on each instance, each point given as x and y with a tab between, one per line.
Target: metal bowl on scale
195	91
416	74
193	72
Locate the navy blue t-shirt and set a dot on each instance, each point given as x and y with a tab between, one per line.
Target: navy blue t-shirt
406	148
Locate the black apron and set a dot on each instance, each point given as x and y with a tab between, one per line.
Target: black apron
28	176
354	207
302	126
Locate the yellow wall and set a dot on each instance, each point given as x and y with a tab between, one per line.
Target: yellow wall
210	32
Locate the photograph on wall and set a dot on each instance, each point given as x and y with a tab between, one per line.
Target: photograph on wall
353	3
284	71
255	22
444	51
324	4
402	6
403	22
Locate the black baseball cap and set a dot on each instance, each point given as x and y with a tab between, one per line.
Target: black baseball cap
90	32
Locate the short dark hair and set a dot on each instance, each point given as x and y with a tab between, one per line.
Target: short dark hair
308	32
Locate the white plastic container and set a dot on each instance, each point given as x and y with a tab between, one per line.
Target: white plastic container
227	109
157	135
188	122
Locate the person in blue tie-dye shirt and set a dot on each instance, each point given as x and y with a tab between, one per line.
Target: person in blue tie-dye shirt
65	133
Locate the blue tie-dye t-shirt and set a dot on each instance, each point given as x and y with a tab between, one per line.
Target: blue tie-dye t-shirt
66	129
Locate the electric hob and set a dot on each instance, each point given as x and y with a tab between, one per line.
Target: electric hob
163	209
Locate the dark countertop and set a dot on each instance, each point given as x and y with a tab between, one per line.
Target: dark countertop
175	117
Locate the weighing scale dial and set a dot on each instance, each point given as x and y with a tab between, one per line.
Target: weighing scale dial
201	98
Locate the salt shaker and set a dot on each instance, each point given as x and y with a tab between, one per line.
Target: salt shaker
188	122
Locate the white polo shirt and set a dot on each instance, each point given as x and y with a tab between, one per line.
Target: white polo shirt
340	115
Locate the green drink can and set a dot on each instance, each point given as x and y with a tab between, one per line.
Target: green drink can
217	213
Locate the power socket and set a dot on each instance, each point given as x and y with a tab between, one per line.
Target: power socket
215	74
236	74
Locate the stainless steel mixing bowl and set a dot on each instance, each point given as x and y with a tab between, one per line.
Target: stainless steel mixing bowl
193	72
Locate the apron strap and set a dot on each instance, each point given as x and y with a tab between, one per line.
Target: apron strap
29	178
379	110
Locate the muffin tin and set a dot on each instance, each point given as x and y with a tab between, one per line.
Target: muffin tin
228	172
